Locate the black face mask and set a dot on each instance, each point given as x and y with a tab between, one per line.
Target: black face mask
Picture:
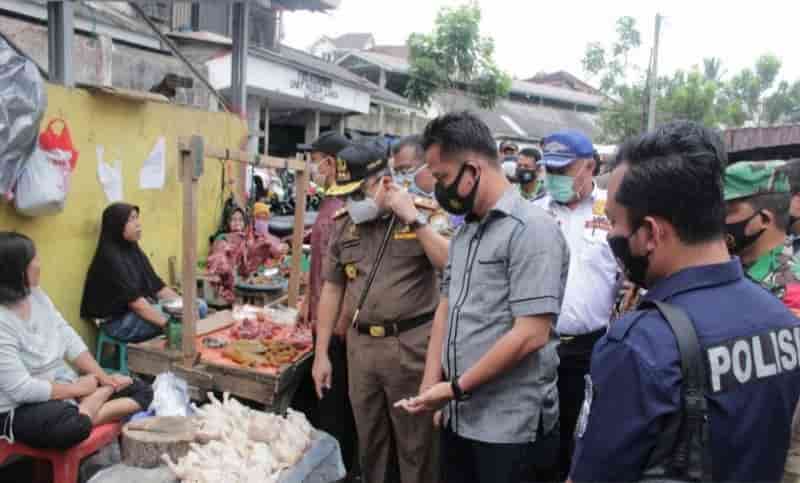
525	175
737	239
634	266
792	221
449	199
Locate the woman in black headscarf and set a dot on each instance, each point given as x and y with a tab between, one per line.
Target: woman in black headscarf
121	287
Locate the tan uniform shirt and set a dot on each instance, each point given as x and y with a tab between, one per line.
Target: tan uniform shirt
406	284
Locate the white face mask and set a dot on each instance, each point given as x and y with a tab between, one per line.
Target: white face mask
363	211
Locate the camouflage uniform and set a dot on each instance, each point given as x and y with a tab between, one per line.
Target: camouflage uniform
779	272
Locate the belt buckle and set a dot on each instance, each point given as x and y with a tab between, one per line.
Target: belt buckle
377	331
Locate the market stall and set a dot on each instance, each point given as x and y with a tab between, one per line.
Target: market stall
256	354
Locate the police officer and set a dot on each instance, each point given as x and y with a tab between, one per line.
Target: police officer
386	348
757	196
667	214
579	207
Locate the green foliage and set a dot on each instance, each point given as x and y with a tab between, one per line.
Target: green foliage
455	55
752	96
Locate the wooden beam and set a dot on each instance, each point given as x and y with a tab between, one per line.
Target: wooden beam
301	188
189	284
259	161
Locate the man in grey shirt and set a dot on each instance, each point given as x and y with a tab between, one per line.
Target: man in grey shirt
492	363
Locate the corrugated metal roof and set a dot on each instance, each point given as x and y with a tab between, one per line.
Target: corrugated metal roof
352	40
556	93
384	61
535	121
310	62
762	143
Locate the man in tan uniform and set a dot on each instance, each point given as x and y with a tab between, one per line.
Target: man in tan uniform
386	348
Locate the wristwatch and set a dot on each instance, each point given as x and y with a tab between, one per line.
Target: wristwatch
458	394
420	221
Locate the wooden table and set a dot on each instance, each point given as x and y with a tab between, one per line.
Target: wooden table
273	389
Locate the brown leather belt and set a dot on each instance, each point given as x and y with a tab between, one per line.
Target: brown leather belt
396	328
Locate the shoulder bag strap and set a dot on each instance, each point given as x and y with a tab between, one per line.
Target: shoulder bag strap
694	435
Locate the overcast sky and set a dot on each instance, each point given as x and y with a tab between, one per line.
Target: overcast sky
532	36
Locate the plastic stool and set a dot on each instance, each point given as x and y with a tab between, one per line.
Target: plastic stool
122	353
65	463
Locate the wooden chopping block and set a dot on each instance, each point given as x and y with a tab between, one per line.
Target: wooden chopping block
145	440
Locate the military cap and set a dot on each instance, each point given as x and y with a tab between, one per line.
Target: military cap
355	163
751	178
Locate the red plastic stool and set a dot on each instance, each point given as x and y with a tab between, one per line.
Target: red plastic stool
65	463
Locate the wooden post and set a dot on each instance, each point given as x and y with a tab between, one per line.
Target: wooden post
301	190
190	177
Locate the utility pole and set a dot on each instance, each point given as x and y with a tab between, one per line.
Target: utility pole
651	112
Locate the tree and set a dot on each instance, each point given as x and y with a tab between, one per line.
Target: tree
455	55
753	96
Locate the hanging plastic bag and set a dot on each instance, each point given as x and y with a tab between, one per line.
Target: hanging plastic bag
44	183
50	140
170	396
22	105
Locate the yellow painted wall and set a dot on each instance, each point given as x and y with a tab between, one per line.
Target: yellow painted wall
128	130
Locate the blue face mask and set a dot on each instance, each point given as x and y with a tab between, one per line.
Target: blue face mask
560	187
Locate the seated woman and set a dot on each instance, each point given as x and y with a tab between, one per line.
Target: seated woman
122	289
43	402
240	251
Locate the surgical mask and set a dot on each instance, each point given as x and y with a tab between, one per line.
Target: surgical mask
634	266
737	239
363	211
525	175
449	199
261	227
560	187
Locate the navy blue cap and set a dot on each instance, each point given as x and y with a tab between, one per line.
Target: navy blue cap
563	147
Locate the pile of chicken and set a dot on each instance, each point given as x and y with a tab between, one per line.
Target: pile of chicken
239	445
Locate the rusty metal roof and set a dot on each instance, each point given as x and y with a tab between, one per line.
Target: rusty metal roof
762	143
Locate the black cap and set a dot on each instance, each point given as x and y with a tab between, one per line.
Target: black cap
329	143
355	163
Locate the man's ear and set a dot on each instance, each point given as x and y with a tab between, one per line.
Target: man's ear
767	216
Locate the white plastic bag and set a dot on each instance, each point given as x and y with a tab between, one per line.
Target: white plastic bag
44	183
170	396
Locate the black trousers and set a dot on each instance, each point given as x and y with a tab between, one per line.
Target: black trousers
59	424
575	354
469	461
335	412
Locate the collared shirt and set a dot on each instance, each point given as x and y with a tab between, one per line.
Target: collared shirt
592	282
750	342
406	284
320	236
536	194
512	263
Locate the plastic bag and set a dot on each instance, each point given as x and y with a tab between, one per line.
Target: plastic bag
170	396
22	105
49	140
44	183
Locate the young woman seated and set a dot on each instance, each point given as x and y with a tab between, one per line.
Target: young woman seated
241	250
43	402
122	289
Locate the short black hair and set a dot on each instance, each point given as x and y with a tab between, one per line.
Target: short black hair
457	132
414	141
675	172
16	253
775	203
792	170
531	153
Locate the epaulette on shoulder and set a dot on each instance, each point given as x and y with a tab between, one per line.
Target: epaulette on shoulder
339	213
426	203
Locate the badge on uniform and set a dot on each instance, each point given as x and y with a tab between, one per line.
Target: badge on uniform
352	230
351	271
586	409
599	208
404	232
